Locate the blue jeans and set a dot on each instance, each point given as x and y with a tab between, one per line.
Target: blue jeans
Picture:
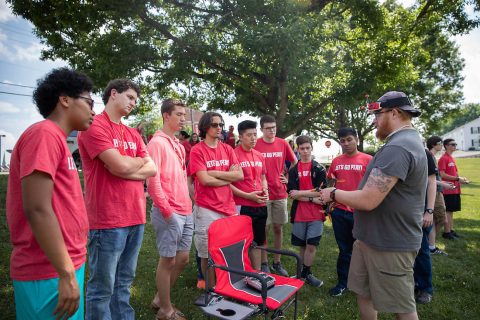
342	222
112	261
422	269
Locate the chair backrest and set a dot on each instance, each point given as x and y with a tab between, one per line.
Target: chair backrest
228	242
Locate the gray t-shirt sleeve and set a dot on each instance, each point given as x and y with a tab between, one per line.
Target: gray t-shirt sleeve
394	161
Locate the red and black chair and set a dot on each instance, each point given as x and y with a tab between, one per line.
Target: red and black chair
229	241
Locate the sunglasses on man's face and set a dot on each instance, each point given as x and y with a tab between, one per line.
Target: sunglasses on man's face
216	125
452	144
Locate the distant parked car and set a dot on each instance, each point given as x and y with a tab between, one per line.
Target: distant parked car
72	143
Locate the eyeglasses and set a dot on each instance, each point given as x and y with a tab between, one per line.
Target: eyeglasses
90	101
452	144
216	125
378	113
270	128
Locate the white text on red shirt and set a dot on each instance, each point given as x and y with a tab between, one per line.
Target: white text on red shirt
218	163
245	164
273	154
355	167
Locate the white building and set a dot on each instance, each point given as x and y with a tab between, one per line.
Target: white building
467	136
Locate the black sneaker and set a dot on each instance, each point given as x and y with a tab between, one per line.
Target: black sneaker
448	236
264	268
423	297
337	291
278	269
438	252
313	281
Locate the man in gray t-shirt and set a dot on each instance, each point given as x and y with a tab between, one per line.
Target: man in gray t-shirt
389	207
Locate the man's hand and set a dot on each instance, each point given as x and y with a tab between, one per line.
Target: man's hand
427	219
294	194
463	180
235	167
257	196
68	296
446	185
325	195
283	178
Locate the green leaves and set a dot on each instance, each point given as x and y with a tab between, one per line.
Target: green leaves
309	63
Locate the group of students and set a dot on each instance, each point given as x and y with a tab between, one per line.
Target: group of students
50	219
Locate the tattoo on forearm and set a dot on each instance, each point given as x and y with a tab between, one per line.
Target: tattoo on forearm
379	180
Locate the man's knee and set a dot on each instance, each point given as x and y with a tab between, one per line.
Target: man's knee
277	228
167	263
182	259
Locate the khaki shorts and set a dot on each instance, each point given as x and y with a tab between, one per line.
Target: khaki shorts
277	211
439	214
385	277
203	218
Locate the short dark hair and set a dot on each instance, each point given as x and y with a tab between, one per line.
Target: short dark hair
59	82
303	139
447	141
183	132
432	141
205	121
267	119
345	132
120	85
245	125
168	105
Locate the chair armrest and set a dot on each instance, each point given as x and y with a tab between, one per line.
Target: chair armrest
283	253
248	274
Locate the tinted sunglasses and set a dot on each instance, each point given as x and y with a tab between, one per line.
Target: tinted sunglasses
216	125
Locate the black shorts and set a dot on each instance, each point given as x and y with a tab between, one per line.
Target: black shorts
259	220
453	202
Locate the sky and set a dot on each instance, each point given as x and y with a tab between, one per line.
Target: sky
20	67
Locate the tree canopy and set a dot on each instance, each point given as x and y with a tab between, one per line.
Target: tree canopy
308	63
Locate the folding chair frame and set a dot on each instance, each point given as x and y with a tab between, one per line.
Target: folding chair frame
263	307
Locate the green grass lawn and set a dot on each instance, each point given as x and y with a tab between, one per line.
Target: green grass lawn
456	278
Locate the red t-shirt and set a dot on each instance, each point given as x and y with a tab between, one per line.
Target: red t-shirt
447	164
275	154
43	147
348	172
253	166
307	211
230	139
112	202
205	158
187	147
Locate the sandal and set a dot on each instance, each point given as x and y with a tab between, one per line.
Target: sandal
155	309
173	316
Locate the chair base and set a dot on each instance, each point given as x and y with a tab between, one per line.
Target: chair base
224	309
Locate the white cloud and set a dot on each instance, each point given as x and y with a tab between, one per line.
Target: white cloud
7	107
8	142
5	12
470	51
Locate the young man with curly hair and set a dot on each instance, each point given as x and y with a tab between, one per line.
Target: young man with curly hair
45	210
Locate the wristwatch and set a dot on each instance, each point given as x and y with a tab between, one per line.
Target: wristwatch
310	199
429	210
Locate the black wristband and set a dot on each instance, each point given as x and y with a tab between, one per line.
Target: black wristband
332	194
429	210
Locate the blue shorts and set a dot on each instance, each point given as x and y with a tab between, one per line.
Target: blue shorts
38	299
